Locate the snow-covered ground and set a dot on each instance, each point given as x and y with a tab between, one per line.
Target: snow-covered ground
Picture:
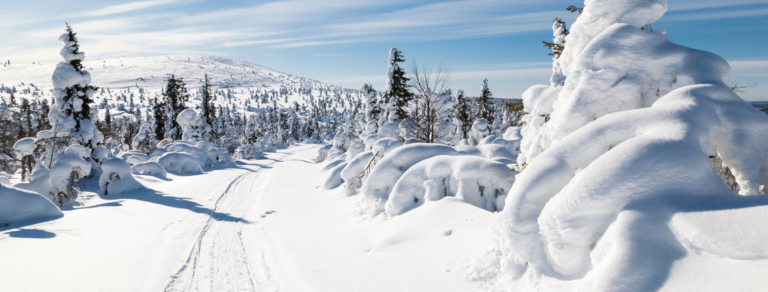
264	226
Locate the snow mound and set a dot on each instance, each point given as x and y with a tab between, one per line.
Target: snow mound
179	162
334	179
388	170
150	168
475	180
116	177
25	146
19	205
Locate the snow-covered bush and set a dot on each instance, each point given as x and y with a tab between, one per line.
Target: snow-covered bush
624	144
20	205
116	177
334	179
68	169
383	146
150	168
356	147
179	162
387	171
475	180
133	156
145	140
352	173
322	153
479	130
193	129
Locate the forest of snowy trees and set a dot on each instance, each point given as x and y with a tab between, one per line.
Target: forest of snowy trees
40	126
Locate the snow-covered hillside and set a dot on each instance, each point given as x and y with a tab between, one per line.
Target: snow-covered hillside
145	78
151	73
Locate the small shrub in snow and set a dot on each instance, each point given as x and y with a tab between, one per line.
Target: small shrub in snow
180	162
116	177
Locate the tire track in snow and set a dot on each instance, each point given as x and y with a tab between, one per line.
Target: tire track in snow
227	255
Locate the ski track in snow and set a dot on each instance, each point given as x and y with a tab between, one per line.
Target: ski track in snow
228	255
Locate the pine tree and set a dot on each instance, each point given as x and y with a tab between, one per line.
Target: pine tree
463	115
397	84
207	111
558	44
175	96
484	102
73	95
26	110
158	111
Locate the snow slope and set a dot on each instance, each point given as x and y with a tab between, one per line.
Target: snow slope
151	72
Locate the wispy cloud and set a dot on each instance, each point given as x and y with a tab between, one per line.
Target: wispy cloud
128	7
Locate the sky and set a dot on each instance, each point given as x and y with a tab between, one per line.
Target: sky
346	42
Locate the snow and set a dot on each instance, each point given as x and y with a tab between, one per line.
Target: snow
25	146
150	168
477	181
17	205
179	162
116	177
388	170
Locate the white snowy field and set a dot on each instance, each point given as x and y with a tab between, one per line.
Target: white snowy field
264	226
267	226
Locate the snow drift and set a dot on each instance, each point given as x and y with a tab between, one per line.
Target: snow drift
19	205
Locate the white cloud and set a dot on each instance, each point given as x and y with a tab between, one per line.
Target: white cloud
128	7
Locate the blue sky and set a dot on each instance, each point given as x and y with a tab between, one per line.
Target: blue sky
346	42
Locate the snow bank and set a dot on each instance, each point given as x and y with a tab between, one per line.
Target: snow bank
388	170
149	167
20	205
179	162
334	179
481	182
116	177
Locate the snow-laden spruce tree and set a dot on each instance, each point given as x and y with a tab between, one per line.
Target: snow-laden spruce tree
159	118
372	109
72	114
174	97
484	110
463	115
397	86
207	110
621	149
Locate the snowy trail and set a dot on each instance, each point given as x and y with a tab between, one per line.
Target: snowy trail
227	254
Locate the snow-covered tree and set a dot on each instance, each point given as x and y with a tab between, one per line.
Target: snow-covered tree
207	109
484	102
72	114
159	118
174	98
397	86
463	114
